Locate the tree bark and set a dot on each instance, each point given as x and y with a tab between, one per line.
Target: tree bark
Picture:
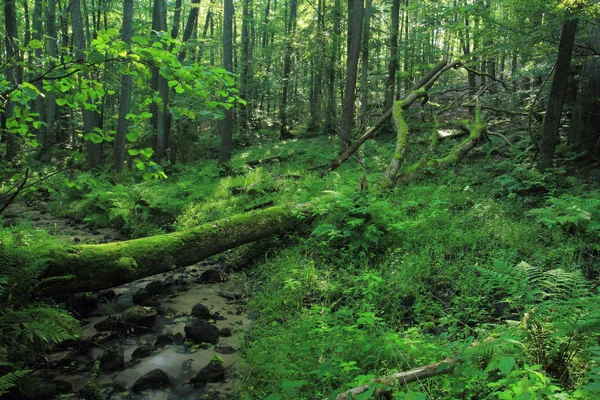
287	68
550	126
355	26
126	89
227	125
95	267
12	55
364	79
393	63
90	117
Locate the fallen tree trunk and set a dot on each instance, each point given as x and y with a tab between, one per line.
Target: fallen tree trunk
424	84
401	378
100	266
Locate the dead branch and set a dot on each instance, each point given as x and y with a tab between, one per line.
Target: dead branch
413	95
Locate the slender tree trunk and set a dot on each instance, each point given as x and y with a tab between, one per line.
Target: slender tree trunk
316	72
284	132
52	46
227	125
191	22
352	71
126	89
176	19
364	80
90	117
332	115
160	85
12	58
550	126
247	67
393	63
37	53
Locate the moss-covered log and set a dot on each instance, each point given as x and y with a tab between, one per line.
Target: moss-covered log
100	266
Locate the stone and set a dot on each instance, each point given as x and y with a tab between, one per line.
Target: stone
211	276
155	287
225	332
213	372
178	338
112	359
199	331
142	352
201	311
106	295
163	340
62	386
139	316
108	325
141	297
155	379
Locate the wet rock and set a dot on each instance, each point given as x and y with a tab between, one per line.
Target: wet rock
83	305
163	340
105	295
225	332
213	372
201	311
108	325
112	359
151	303
139	316
141	352
202	332
211	276
218	317
107	390
62	386
155	379
141	297
155	288
178	338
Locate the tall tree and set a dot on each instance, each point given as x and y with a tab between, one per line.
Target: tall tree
160	85
126	89
90	117
247	63
332	115
393	62
52	45
12	61
364	80
355	26
227	124
551	124
284	132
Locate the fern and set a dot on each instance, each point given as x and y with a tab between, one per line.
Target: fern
10	380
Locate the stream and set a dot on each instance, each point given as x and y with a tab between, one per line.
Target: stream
166	337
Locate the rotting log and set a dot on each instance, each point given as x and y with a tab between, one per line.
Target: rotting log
424	84
401	378
100	266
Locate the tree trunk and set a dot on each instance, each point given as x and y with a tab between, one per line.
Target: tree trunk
287	68
95	267
393	63
227	125
355	26
12	56
160	84
90	117
550	126
331	123
191	22
126	89
52	46
364	79
584	134
247	67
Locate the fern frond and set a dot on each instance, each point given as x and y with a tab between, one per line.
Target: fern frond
11	380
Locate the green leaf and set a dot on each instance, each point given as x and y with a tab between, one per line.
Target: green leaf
140	165
140	40
35	44
132	136
506	365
